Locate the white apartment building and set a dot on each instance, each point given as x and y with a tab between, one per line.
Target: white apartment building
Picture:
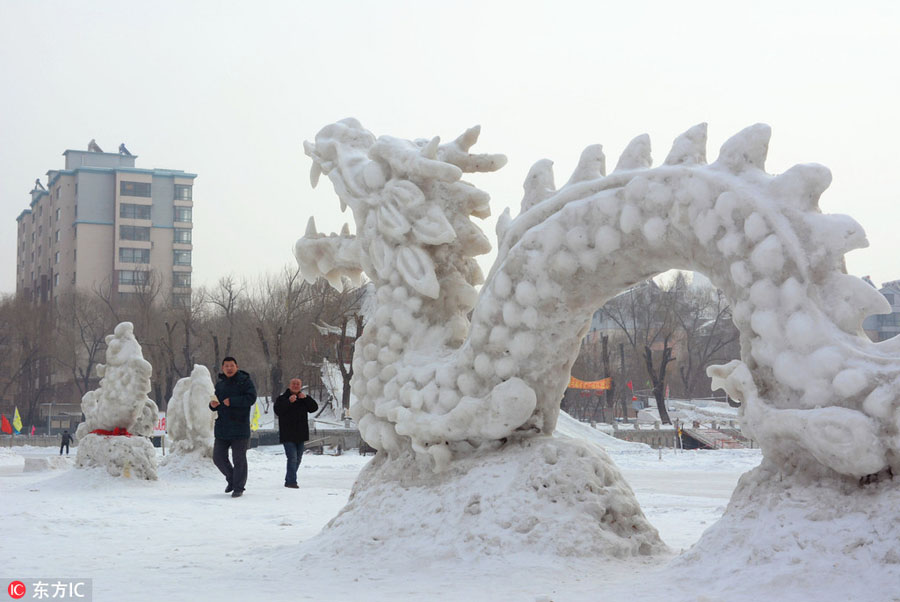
101	224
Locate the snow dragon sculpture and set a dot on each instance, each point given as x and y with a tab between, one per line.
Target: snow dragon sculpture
815	390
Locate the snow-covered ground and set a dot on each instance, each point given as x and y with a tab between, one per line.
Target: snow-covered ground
183	538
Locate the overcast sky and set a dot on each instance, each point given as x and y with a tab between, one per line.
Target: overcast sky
230	90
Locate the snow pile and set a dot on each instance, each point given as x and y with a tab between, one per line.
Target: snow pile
687	411
538	495
812	535
120	404
46	463
189	421
10	461
573	429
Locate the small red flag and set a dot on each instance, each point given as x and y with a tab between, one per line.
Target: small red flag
630	386
6	427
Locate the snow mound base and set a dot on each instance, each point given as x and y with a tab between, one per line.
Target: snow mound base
190	465
122	456
48	463
541	495
799	536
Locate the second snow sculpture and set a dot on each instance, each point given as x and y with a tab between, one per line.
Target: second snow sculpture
119	417
188	419
817	394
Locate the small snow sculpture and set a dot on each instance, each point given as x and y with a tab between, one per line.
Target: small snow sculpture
188	419
119	417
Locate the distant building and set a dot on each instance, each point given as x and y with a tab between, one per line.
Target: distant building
882	327
103	224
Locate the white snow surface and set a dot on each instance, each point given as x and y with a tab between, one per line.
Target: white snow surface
170	539
120	402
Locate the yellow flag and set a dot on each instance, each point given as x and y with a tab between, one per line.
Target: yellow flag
254	422
17	421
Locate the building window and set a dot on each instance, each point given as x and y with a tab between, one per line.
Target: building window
181	300
890	320
182	257
56	279
57	215
128	255
182	192
183	214
181	279
134	188
57	236
182	235
134	233
133	276
57	257
132	211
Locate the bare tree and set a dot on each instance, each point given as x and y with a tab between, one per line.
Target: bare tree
225	298
710	336
346	346
83	322
645	315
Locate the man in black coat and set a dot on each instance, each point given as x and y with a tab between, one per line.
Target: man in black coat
235	395
66	438
292	408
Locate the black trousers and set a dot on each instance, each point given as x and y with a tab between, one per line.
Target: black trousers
61	446
236	474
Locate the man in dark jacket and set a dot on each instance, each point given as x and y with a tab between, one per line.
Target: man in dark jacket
235	395
292	408
66	438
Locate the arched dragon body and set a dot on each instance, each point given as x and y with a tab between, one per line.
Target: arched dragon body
430	380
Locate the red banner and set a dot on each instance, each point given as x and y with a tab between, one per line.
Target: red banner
6	427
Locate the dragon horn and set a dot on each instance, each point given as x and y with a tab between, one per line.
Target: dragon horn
746	149
468	138
689	148
636	155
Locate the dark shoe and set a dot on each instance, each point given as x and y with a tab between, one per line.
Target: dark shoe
237	493
292	485
229	489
